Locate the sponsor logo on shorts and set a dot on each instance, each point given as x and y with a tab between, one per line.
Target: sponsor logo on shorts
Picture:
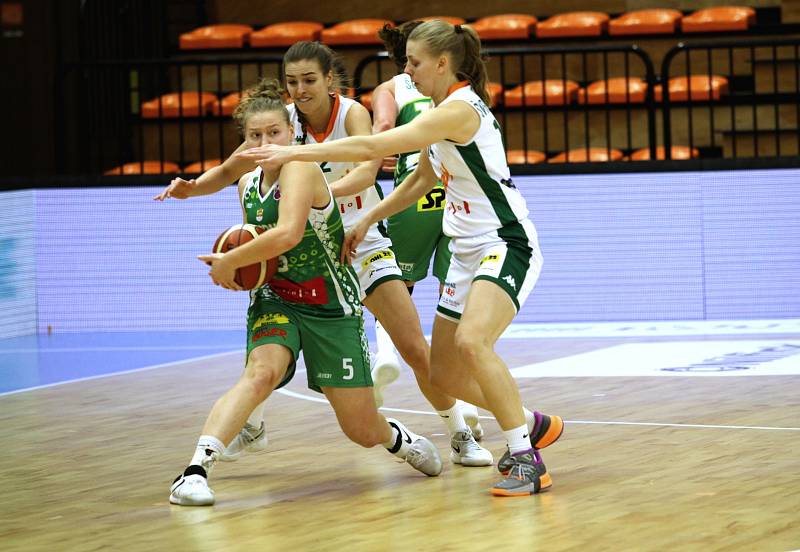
449	289
432	201
407	267
510	281
268	332
374	270
380	255
270	318
490	259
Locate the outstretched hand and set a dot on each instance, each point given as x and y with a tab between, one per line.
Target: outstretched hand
221	272
352	239
269	156
178	189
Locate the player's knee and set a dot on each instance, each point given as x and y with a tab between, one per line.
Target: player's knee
468	345
263	374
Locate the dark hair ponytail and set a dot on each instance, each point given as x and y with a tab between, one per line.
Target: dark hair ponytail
394	40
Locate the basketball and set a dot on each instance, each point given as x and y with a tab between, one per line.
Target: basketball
254	275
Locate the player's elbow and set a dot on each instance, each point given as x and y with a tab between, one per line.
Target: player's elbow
293	237
382	125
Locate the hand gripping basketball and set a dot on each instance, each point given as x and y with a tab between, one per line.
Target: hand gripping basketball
254	275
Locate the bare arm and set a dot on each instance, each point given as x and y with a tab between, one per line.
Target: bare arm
296	200
211	181
363	176
455	121
297	197
412	188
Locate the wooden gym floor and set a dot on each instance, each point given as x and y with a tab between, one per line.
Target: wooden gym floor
645	463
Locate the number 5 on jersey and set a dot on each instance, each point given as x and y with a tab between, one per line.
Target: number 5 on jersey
347	366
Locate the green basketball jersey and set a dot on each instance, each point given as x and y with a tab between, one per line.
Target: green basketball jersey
310	277
410	103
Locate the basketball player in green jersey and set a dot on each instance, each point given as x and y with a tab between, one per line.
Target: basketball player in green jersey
319	115
495	260
312	304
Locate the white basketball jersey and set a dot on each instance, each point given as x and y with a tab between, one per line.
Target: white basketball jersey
480	195
352	208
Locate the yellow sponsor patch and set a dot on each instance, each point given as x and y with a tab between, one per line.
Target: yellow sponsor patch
385	254
490	259
271	318
432	201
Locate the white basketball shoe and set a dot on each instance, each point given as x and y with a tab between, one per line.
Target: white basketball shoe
249	439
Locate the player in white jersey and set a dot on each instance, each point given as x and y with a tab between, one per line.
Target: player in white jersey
320	116
496	258
416	232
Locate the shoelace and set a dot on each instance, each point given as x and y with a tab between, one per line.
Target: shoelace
416	457
521	470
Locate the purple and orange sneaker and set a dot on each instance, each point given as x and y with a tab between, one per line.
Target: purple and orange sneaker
545	431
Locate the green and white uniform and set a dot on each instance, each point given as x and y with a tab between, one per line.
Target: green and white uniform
416	232
485	215
312	303
374	261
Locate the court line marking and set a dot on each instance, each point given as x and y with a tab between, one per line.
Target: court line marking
295	395
111	374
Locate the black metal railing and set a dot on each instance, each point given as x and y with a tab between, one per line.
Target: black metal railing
754	114
102	126
113	125
552	124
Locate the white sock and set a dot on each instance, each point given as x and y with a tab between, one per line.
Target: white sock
517	439
257	415
401	439
454	419
530	419
204	455
385	345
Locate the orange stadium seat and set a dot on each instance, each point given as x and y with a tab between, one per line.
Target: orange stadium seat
227	105
216	36
703	88
573	24
184	104
518	157
720	18
615	90
144	167
202	166
678	152
505	27
495	90
583	155
285	34
639	22
452	19
355	32
556	92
